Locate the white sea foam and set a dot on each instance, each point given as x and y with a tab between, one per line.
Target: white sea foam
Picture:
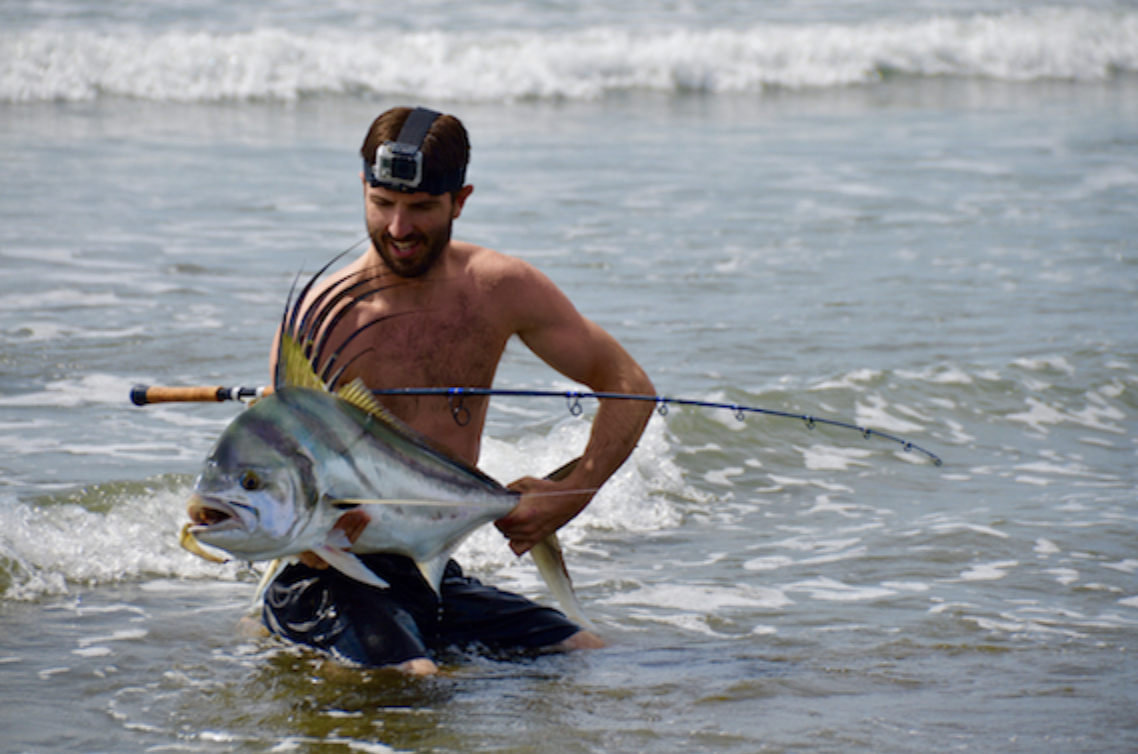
849	381
55	63
877	416
1126	566
830	590
1044	364
47	548
722	477
769	563
89	389
960	526
1097	415
946	374
988	571
1065	576
829	458
702	599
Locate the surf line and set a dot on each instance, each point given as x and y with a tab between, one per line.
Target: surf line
141	395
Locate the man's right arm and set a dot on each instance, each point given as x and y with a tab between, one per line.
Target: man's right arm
549	324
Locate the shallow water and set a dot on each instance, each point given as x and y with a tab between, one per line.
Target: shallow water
948	257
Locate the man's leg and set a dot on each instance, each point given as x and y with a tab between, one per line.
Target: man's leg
476	614
324	609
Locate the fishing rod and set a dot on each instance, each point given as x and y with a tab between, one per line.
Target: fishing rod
142	395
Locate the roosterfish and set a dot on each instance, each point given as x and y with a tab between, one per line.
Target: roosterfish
291	464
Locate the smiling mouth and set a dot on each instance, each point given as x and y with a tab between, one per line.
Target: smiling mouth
404	249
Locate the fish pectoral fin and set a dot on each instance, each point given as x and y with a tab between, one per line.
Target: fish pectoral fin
338	539
433	570
351	566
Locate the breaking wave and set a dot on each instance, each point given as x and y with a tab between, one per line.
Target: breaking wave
101	534
41	64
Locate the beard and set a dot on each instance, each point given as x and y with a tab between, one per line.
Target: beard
431	248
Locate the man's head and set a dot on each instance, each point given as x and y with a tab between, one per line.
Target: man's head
413	150
414	173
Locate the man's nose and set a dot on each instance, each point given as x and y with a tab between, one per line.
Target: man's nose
400	225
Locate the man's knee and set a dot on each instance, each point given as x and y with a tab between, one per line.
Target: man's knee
420	666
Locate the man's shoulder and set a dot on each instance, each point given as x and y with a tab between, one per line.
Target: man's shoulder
492	267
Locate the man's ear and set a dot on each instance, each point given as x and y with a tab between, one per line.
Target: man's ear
460	198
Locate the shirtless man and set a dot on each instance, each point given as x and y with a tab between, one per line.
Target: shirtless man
457	305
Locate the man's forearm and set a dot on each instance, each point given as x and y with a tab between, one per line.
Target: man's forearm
617	429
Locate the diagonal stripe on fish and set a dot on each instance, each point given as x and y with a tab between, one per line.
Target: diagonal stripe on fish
283	473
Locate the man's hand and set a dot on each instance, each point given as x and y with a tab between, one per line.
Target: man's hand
352	524
544	508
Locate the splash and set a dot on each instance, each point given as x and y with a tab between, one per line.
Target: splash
99	535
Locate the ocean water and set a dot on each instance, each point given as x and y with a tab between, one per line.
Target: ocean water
915	217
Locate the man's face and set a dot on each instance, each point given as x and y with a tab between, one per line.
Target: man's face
410	231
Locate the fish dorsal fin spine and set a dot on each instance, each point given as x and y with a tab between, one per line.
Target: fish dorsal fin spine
358	394
298	371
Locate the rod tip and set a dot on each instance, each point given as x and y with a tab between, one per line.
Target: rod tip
138	395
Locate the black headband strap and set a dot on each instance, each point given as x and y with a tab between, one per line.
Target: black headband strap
416	126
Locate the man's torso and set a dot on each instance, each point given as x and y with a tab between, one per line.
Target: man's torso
443	331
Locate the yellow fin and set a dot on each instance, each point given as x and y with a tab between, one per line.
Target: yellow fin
298	371
358	394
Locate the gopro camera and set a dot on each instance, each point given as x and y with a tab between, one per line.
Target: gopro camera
398	165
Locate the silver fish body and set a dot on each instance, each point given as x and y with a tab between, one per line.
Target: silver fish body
288	467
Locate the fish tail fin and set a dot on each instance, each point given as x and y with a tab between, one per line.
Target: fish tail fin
550	563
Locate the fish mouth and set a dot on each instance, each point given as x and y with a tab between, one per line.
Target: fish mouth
211	515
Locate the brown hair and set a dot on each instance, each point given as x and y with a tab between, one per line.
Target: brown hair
446	148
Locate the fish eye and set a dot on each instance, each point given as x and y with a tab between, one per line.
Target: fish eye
250	481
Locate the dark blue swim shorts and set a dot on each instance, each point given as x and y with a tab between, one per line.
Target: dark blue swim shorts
377	627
